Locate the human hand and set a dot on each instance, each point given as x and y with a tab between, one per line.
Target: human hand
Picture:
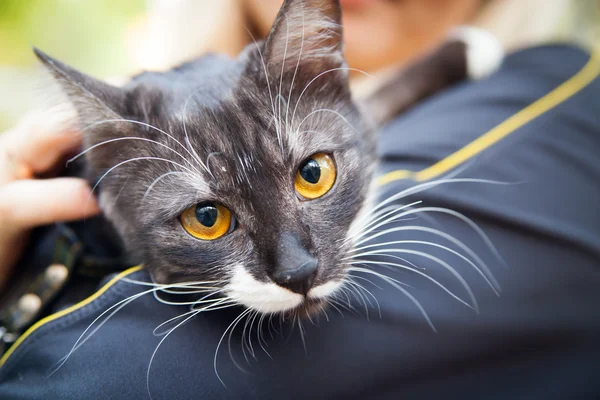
30	149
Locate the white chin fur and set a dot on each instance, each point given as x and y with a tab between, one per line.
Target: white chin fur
270	298
264	297
325	290
484	51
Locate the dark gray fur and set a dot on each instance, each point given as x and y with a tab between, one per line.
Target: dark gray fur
226	108
246	160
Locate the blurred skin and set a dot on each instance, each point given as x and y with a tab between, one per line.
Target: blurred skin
36	147
377	34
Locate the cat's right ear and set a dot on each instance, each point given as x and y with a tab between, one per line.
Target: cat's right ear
308	34
93	99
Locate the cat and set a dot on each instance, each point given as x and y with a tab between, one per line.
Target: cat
254	173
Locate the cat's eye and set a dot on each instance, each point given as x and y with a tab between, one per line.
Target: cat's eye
207	221
315	176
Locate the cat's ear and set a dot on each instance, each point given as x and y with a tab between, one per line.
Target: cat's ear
307	33
93	99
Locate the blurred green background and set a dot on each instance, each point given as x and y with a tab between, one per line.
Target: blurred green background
88	34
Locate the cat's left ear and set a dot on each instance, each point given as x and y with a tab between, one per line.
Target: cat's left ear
307	33
93	99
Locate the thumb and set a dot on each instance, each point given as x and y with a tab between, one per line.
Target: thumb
25	204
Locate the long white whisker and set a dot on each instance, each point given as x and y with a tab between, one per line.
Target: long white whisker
446	266
287	109
396	284
160	343
325	110
429	278
213	302
375	219
187	136
264	65
317	77
142	124
82	153
426	185
80	341
493	285
287	28
154	182
235	321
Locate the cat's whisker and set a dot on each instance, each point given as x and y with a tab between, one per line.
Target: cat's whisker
287	28
193	314
397	284
348	305
368	227
132	160
388	211
430	184
287	109
490	281
264	65
154	182
469	222
81	340
317	77
131	121
358	295
310	114
324	310
360	287
160	343
232	324
205	299
108	141
301	329
453	213
261	340
334	303
251	347
193	152
215	302
383	254
445	265
246	317
244	344
166	285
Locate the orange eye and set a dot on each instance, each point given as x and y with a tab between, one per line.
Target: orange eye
316	176
207	221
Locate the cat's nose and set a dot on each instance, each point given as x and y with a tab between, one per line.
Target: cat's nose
295	267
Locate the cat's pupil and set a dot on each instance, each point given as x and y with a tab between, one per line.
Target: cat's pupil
207	214
311	171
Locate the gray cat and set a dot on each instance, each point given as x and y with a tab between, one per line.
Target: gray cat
250	174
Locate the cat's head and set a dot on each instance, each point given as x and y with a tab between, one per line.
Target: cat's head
245	173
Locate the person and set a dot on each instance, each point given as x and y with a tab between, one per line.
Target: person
533	124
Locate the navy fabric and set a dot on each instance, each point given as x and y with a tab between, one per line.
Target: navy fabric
540	339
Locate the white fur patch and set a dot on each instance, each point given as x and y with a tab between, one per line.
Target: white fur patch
261	296
484	51
324	290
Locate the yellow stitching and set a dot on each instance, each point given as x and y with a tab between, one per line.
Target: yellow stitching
560	94
66	311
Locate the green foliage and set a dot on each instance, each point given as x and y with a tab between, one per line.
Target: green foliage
85	33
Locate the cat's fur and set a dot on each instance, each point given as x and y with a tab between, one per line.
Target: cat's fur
234	131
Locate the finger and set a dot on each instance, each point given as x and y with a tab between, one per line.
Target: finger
28	203
38	142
